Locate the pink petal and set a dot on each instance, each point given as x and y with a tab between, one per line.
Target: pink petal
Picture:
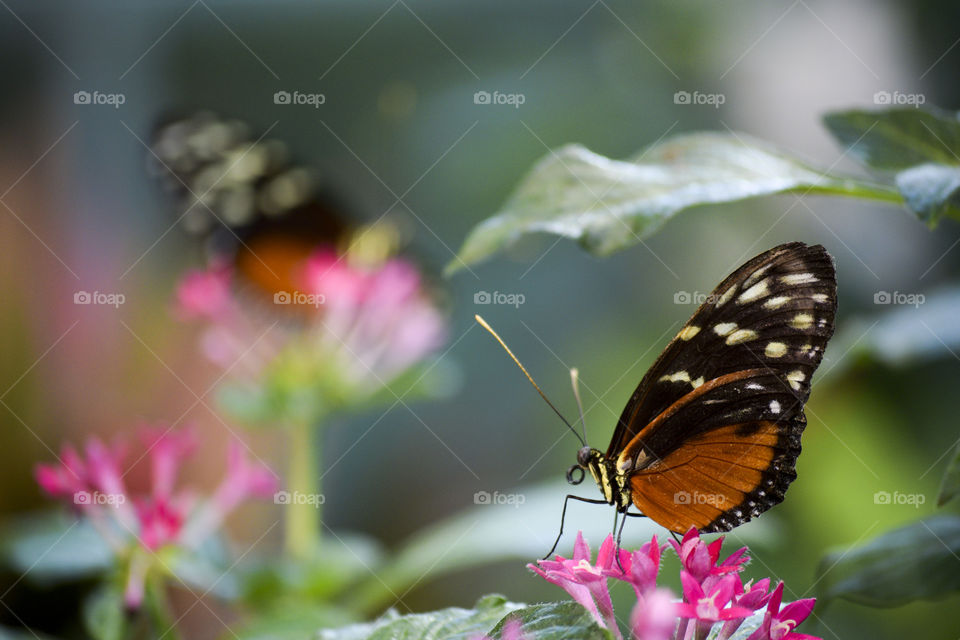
204	293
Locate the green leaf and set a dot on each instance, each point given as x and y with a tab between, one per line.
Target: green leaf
922	146
104	614
293	620
950	486
435	625
918	561
930	190
896	139
608	205
53	547
555	621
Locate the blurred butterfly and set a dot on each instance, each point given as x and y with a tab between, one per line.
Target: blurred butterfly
711	436
255	209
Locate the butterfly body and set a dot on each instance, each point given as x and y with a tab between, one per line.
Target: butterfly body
711	436
613	484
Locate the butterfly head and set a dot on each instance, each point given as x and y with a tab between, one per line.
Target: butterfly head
588	459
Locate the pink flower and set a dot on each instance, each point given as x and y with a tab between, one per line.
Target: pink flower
134	523
357	327
778	624
161	521
699	559
654	616
710	606
204	293
584	582
712	589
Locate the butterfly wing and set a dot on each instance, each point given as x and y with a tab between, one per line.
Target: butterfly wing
721	410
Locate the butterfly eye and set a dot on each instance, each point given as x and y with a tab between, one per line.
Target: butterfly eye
574	479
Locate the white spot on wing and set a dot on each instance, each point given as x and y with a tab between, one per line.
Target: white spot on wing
688	332
774	406
725	298
775	350
741	335
724	328
820	297
795	378
798	278
776	302
756	291
802	321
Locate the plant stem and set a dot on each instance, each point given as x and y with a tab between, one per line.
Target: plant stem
303	481
158	607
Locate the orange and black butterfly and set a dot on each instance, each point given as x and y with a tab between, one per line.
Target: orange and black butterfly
711	436
254	207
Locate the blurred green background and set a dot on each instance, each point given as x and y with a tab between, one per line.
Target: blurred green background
399	131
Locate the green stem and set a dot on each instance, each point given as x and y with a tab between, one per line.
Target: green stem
158	607
303	482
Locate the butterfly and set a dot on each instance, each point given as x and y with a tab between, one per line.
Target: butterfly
710	438
254	208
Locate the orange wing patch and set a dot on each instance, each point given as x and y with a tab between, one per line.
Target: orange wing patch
720	472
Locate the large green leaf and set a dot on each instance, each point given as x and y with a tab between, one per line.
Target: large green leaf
897	139
918	561
922	146
609	205
435	625
555	621
53	547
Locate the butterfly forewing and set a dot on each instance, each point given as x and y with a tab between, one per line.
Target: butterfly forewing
722	408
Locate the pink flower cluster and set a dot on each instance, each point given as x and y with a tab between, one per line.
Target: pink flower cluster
713	592
370	323
162	516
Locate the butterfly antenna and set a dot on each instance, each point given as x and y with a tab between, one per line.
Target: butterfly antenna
483	323
575	381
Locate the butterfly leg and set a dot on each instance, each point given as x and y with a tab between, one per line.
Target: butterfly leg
563	517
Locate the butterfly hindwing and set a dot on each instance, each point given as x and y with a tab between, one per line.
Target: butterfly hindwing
721	410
